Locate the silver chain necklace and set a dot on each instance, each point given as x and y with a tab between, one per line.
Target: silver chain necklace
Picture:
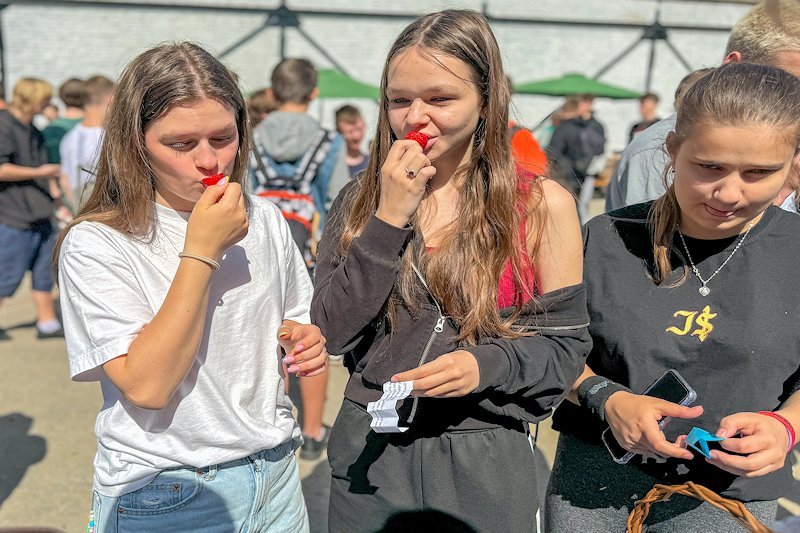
704	290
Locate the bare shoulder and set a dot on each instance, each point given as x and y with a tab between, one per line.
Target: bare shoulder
554	201
556	245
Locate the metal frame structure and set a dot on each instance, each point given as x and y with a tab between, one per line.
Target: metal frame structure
284	18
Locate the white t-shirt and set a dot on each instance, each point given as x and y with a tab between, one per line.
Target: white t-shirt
79	150
790	203
232	402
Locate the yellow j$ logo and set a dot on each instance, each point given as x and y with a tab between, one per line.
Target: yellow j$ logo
692	318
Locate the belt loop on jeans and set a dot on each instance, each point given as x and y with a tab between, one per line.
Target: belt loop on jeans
255	459
208	473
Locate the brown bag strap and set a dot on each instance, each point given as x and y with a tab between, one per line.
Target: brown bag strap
660	493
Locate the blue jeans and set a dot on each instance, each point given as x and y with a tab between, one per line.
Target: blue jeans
258	493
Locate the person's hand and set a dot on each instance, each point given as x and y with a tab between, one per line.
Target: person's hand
305	348
633	419
218	221
404	176
448	376
49	170
762	445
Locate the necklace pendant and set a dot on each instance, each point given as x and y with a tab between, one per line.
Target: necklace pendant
704	290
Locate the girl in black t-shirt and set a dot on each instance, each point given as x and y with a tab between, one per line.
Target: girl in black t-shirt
693	282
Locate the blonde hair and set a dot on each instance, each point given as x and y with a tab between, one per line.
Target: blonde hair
151	85
771	27
735	94
29	93
464	272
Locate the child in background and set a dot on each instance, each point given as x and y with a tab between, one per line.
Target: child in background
80	147
350	124
29	196
72	94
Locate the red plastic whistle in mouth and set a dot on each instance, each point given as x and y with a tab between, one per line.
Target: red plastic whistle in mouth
418	136
212	180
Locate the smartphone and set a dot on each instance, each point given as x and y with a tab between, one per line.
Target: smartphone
671	387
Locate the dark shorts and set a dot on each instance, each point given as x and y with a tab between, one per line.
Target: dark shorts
588	491
23	250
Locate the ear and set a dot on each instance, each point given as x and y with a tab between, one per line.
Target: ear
314	94
271	94
733	57
671	144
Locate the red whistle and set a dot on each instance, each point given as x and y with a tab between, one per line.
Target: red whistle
418	136
212	180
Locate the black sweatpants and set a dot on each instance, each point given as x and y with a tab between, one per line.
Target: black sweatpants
589	492
472	480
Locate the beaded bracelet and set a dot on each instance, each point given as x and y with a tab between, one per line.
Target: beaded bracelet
207	260
786	424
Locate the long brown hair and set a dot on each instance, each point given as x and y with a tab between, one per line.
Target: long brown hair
734	94
464	272
151	85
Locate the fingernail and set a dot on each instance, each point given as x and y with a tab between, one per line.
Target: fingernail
714	455
224	180
394	378
283	333
298	348
294	368
288	359
722	433
302	374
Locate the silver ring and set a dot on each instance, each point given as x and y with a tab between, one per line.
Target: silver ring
411	173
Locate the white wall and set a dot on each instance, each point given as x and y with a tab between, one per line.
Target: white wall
59	42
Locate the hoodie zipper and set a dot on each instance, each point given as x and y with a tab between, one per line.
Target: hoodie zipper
438	328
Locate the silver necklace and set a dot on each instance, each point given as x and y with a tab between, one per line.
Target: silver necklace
704	290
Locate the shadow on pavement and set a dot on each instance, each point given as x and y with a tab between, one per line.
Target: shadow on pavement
21	325
18	451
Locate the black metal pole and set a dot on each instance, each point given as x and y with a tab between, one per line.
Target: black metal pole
247	37
2	57
650	63
283	43
619	57
679	56
322	51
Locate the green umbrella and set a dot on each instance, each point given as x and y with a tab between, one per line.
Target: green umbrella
335	84
571	84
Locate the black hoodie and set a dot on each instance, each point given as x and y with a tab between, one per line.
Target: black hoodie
521	380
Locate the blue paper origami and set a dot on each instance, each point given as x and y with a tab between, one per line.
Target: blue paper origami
699	439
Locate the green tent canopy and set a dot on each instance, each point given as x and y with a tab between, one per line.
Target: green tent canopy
573	84
335	84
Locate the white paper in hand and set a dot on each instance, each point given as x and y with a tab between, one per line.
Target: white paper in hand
383	412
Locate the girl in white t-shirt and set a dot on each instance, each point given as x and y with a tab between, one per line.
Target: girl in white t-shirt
187	303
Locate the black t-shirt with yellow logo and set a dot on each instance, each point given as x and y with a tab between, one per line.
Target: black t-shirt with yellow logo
738	347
